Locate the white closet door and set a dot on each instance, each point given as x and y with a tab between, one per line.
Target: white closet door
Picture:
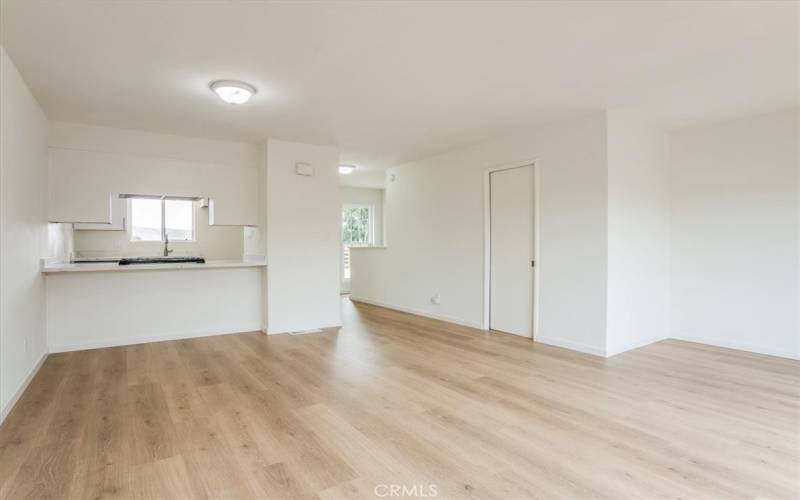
511	233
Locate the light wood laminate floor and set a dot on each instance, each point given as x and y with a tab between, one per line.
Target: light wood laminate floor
394	399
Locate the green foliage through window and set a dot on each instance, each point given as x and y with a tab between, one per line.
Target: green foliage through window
355	226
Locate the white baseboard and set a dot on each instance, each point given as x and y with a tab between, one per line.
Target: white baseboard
739	346
574	346
24	385
417	312
144	339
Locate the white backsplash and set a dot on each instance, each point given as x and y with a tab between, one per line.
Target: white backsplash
213	242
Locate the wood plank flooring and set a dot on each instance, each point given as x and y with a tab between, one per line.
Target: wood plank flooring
395	405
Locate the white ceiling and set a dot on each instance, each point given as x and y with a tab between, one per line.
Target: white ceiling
394	81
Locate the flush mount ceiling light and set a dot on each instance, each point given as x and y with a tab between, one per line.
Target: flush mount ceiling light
233	92
346	169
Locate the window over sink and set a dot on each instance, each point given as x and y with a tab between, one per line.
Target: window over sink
155	218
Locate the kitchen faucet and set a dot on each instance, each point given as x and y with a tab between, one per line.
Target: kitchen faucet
167	251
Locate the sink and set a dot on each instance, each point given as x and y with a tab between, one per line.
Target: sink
161	260
95	260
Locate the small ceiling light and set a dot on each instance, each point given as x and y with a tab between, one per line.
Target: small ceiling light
233	92
346	169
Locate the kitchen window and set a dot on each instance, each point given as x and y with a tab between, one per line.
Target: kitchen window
156	218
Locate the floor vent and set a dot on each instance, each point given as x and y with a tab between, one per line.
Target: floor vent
316	330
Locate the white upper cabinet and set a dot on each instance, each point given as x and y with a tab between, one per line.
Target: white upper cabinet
76	193
235	201
119	217
81	184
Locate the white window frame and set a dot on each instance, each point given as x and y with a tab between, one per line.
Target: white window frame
163	199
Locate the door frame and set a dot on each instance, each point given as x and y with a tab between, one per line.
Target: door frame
487	242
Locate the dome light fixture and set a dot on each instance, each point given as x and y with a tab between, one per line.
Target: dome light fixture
233	92
346	169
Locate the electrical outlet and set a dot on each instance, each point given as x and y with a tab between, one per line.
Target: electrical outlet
436	299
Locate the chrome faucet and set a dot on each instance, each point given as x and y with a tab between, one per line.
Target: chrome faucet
167	251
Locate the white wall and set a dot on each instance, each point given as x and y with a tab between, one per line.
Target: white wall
434	228
735	252
367	196
643	235
23	233
87	163
255	240
303	226
98	309
638	232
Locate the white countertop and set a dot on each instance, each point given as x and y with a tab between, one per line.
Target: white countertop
67	267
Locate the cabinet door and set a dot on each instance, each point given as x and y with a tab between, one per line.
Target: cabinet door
119	217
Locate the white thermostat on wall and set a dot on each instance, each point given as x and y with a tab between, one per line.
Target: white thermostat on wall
303	169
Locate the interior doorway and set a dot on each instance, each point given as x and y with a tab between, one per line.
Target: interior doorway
511	250
358	230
